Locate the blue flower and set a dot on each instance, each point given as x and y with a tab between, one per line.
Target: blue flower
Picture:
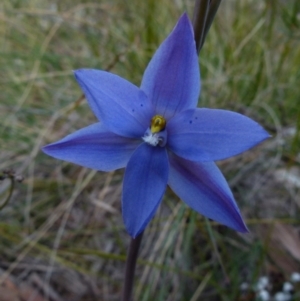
159	135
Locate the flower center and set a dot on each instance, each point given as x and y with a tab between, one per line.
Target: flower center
156	133
158	123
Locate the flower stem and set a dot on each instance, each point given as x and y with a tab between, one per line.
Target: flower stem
204	13
130	266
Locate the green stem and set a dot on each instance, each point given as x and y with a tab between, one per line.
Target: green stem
130	266
215	247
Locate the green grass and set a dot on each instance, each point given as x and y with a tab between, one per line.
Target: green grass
63	223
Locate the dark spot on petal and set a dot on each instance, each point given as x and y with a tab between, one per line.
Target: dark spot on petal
196	117
191	121
132	110
142	105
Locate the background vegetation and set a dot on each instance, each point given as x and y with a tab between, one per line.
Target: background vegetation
62	235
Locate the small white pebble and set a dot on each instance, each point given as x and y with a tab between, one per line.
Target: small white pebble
262	283
287	287
281	296
263	295
295	277
244	286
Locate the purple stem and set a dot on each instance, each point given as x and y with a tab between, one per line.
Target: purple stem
130	266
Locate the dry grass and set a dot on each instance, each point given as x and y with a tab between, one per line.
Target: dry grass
62	235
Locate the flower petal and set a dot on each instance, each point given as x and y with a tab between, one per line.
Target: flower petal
172	79
145	181
203	187
94	147
210	135
122	107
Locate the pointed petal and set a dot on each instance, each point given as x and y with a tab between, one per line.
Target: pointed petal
145	181
172	79
122	107
203	187
94	147
210	135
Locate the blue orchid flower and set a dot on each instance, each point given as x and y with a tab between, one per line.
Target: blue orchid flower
160	136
